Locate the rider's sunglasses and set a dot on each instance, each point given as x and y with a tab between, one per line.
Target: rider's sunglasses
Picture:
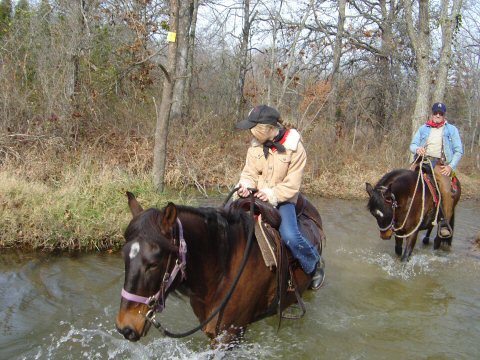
438	113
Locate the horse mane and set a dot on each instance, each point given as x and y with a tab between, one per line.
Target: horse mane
390	177
224	229
223	232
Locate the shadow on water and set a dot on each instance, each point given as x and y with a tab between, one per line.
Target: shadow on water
371	306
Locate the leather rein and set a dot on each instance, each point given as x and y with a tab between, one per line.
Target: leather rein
422	178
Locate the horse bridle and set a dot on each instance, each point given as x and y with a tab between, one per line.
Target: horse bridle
156	302
394	205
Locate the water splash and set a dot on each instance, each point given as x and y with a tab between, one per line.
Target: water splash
97	343
419	263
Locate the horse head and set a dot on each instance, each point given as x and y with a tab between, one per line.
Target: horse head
149	254
381	205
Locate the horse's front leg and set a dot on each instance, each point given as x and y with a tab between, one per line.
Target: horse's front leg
228	338
398	245
426	238
409	245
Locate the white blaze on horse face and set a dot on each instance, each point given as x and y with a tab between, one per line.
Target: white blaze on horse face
134	250
379	213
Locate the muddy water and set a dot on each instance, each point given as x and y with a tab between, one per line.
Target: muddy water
371	307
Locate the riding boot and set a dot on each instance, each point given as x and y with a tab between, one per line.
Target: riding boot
318	275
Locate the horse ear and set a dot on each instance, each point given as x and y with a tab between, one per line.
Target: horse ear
133	204
169	216
369	189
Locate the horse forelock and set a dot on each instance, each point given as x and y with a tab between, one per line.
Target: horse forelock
375	201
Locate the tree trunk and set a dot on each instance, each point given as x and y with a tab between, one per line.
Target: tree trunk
76	59
448	24
421	46
337	54
273	56
387	85
242	68
163	115
191	50
178	104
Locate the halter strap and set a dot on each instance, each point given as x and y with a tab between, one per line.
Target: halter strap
392	223
156	302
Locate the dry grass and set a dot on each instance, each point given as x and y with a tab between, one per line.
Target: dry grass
60	195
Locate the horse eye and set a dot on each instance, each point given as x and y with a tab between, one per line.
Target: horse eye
152	266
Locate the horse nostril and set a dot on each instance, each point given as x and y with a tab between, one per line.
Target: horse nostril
129	334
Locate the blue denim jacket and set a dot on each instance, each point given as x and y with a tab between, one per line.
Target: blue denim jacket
452	144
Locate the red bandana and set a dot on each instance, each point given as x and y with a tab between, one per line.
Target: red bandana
435	125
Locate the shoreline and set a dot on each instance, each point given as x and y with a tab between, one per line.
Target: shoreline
90	215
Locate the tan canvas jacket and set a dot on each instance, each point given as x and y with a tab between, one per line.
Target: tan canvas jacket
280	175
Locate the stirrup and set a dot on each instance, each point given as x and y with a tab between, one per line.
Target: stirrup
444	229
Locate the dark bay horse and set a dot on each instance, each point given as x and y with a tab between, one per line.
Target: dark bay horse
197	252
403	204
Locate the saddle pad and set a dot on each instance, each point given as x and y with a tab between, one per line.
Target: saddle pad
267	246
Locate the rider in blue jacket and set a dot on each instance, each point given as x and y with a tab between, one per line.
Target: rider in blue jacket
440	142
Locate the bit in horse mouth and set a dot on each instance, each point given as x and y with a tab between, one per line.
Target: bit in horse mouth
146	327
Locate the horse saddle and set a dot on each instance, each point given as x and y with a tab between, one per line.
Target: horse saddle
267	223
275	254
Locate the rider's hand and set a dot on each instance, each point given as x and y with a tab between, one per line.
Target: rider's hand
261	195
421	151
446	170
243	191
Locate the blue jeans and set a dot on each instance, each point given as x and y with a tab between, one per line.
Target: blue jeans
300	247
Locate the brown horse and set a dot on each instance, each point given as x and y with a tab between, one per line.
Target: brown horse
403	204
199	252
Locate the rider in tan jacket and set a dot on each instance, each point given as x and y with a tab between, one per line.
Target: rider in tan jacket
274	166
279	175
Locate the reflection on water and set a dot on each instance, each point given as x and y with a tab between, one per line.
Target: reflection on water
371	307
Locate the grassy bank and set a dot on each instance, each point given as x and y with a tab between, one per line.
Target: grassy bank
56	196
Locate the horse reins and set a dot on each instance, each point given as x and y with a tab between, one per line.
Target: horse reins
420	178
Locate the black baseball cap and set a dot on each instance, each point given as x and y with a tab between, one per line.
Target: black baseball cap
261	114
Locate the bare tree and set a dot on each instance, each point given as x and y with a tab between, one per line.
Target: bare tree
183	43
449	22
337	53
420	40
275	26
193	14
163	113
243	61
